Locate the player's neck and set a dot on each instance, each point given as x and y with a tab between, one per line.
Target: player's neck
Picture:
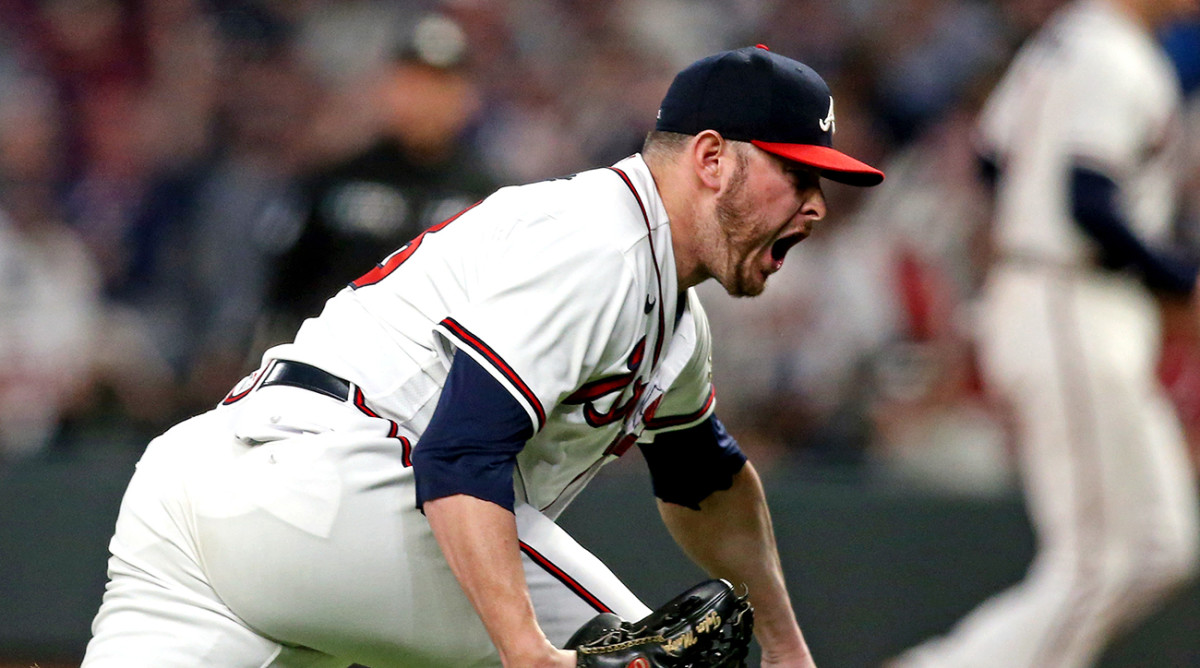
679	200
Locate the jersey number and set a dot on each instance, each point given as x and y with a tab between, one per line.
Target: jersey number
396	259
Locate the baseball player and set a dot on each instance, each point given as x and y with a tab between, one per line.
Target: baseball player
1080	136
383	489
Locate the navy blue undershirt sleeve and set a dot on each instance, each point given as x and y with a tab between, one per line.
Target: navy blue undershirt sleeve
988	170
688	465
1096	208
471	444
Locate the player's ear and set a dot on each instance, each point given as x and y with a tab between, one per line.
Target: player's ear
708	150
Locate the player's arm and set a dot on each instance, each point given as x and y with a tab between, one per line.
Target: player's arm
463	467
1095	206
706	488
987	168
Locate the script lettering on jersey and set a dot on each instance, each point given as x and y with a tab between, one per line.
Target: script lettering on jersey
591	392
621	444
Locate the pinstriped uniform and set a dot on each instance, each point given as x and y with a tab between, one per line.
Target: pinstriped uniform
280	529
1073	348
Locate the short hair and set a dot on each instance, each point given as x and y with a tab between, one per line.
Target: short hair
662	143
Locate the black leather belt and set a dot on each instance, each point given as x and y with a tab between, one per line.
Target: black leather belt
307	377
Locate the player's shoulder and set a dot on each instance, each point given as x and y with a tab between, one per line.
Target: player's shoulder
568	226
611	205
1102	39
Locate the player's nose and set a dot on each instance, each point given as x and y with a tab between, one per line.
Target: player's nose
813	207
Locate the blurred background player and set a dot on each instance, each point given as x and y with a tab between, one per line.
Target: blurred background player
49	284
1081	138
415	172
211	226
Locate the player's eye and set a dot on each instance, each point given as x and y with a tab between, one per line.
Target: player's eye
803	178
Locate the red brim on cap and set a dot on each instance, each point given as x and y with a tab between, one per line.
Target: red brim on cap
834	165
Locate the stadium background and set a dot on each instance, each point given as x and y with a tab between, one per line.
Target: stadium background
156	159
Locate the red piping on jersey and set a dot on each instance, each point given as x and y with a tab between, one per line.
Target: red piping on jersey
360	402
654	258
231	397
398	258
621	445
617	411
639	354
496	361
560	575
598	388
676	420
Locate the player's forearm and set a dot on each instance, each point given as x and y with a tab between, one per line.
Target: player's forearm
479	540
746	553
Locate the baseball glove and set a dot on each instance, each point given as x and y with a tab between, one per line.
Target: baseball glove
707	626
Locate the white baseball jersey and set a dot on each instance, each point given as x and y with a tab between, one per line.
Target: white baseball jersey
1072	349
281	528
565	291
1129	129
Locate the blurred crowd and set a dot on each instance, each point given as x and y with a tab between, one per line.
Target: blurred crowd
183	181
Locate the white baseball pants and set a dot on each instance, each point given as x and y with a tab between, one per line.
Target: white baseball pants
307	551
1109	489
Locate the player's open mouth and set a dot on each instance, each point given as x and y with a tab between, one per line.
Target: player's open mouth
782	245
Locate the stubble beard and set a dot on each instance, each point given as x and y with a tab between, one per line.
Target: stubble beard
733	212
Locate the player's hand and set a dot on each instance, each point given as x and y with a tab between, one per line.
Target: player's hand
562	659
553	658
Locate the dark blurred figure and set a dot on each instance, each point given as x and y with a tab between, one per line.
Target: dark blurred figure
419	171
49	283
1181	40
219	221
926	54
1179	366
99	60
128	91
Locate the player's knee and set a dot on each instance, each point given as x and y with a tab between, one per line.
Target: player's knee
1177	561
1154	573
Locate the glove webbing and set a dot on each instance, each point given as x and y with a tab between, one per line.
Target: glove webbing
615	647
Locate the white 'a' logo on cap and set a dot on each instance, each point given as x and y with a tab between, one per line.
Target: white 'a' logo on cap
827	123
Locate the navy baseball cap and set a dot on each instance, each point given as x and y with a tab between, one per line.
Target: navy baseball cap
755	95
